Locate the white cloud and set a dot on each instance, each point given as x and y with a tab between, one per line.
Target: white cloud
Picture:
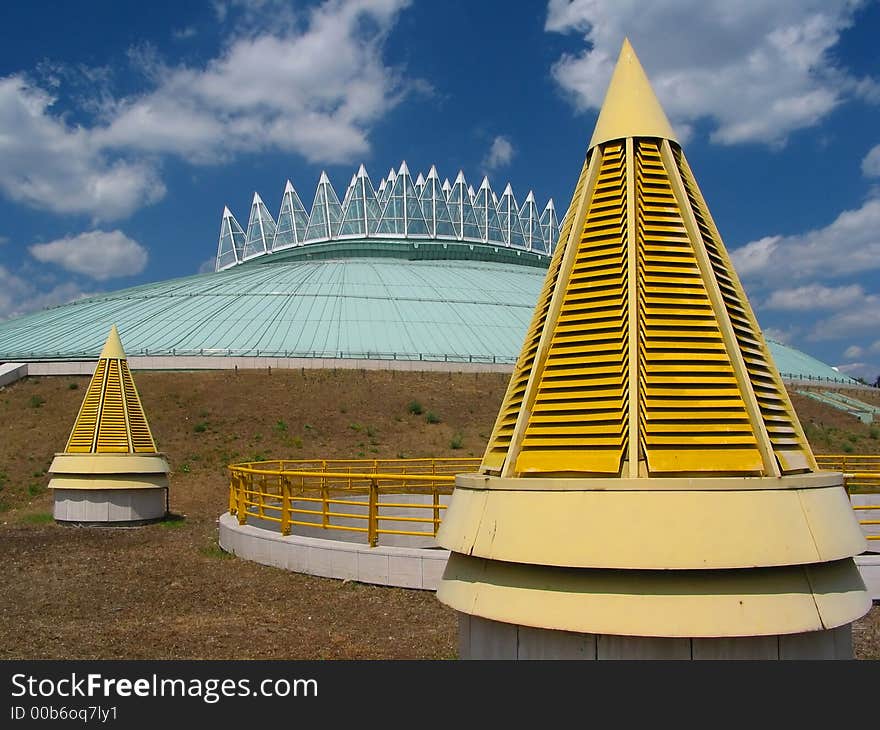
862	320
500	153
848	245
182	34
316	92
871	163
785	336
815	296
19	295
313	84
775	58
97	254
869	372
207	266
48	164
853	352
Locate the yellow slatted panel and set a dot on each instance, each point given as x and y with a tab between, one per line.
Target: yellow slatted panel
499	442
788	441
141	437
112	430
82	437
578	420
692	417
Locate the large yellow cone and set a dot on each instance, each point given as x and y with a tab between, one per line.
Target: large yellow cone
647	474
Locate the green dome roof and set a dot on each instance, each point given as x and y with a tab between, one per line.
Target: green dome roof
325	303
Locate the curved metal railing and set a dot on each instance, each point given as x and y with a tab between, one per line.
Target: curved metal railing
369	496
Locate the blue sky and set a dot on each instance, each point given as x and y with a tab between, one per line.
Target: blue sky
126	127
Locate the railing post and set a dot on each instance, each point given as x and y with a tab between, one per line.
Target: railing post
242	497
436	496
232	496
373	514
285	506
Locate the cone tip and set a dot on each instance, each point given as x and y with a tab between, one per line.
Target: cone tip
113	346
630	108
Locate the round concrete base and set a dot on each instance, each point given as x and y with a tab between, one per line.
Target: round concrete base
405	567
111	507
480	638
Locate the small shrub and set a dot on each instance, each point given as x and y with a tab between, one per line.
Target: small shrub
73	386
172	521
34	489
297	442
200	427
371	432
281	426
415	408
456	441
38	518
36	401
874	433
215	551
308	426
432	417
847	447
355	426
184	468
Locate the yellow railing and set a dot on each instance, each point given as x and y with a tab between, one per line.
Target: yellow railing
354	495
861	474
861	471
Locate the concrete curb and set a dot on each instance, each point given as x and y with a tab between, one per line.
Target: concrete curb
12	371
404	567
869	566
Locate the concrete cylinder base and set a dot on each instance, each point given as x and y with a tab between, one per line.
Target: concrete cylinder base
480	638
110	507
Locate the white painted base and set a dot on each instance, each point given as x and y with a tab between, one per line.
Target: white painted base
110	506
406	567
480	638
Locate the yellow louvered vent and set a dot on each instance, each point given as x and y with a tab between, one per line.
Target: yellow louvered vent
112	430
499	442
82	438
692	416
111	418
139	430
784	431
577	420
643	357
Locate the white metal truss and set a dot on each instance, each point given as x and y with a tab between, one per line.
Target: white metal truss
399	208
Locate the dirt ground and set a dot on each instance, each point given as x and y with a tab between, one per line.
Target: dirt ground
166	591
